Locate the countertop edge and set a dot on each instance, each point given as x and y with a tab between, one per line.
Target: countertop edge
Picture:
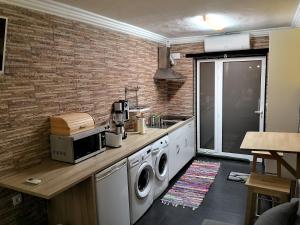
29	191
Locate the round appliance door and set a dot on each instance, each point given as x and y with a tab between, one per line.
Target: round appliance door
161	166
143	183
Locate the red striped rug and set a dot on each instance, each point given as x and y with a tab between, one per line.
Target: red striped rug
191	188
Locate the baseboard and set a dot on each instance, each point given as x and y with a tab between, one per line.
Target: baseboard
221	157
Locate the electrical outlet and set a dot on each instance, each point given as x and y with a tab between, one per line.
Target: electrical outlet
175	55
17	199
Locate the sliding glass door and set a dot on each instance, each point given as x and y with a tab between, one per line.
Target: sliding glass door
230	102
207	105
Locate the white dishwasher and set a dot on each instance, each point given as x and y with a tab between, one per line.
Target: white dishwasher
112	195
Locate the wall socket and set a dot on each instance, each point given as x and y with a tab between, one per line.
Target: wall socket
176	55
17	199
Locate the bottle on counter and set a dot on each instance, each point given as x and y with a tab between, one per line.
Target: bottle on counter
152	121
141	124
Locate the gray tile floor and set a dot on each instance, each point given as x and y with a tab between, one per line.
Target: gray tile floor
225	201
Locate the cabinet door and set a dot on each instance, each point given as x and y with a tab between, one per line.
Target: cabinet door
185	153
181	148
175	153
191	145
187	144
112	195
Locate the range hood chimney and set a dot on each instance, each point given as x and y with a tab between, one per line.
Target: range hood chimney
164	71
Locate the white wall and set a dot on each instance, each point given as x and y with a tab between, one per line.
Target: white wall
283	90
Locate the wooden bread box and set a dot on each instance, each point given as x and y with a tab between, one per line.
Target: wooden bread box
71	123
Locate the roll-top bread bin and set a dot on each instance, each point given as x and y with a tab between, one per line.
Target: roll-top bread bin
71	123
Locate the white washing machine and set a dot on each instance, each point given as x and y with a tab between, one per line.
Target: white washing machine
160	159
141	176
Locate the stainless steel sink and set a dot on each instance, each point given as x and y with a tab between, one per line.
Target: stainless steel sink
166	124
174	118
167	121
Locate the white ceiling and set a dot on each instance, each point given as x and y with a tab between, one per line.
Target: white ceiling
171	18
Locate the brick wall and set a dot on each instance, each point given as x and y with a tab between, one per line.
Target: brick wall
181	96
259	42
54	65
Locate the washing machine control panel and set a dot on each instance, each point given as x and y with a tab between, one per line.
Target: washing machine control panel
146	154
162	143
140	156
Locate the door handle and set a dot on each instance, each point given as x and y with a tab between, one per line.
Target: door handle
258	111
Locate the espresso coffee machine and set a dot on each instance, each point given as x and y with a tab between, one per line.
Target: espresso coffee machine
120	116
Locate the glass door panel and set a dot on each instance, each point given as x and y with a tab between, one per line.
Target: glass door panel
230	102
207	105
241	101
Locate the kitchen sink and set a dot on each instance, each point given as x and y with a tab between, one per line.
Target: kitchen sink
174	118
167	121
167	124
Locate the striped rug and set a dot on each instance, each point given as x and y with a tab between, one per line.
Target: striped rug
191	188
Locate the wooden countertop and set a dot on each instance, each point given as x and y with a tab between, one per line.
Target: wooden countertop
272	141
58	176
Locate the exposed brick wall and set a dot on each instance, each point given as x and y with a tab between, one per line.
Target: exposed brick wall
181	96
259	42
54	65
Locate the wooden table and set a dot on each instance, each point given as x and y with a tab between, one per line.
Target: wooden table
275	142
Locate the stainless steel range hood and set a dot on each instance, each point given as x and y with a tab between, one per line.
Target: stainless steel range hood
164	71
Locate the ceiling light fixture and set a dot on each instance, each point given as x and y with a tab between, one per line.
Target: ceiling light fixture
208	22
213	22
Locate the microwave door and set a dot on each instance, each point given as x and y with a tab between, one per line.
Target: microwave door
86	146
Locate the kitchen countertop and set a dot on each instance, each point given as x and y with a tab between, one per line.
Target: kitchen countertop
58	176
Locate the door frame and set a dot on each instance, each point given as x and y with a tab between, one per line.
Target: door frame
219	104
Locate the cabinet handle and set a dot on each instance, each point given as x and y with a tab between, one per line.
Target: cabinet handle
186	142
111	171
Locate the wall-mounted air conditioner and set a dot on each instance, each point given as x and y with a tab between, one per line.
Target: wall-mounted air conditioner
227	43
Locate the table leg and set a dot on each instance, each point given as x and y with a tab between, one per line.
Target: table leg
285	164
254	162
250	210
278	168
298	166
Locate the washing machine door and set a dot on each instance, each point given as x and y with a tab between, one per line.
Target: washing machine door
161	166
143	184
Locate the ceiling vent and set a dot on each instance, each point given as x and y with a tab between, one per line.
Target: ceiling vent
164	71
227	43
